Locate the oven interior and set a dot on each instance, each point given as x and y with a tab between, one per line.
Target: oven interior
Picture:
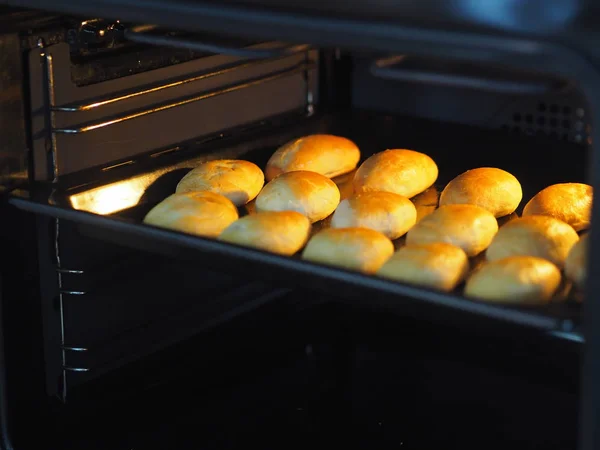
150	337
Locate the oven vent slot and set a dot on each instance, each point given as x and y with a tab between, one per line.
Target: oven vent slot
563	121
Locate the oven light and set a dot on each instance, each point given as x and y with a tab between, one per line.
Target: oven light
111	198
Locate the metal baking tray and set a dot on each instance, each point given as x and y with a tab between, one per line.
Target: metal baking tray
454	148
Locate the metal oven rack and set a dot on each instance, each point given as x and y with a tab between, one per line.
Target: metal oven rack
161	109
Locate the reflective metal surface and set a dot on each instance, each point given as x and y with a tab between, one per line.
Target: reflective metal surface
144	90
84	128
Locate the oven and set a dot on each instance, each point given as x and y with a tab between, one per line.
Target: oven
118	334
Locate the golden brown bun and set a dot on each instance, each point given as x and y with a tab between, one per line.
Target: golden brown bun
516	279
569	202
469	227
322	153
202	213
308	193
576	262
440	266
403	172
283	232
426	202
390	214
344	184
250	207
504	220
541	236
240	181
358	249
493	189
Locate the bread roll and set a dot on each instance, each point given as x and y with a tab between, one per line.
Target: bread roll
322	153
390	214
250	207
439	265
403	172
477	261
541	236
308	193
569	202
202	213
426	202
516	279
358	249
493	189
504	220
469	227
282	232
576	262
345	184
240	181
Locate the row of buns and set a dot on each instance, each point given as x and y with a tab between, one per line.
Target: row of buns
299	192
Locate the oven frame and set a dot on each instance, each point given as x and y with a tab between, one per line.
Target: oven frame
568	60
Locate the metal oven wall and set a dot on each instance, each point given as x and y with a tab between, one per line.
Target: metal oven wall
561	115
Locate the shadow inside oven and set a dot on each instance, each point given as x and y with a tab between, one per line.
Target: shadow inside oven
405	386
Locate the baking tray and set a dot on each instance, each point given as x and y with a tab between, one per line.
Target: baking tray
533	160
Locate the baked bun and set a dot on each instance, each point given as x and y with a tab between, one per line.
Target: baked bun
426	202
541	236
403	172
576	262
569	202
516	279
308	193
344	184
493	189
504	220
202	213
322	153
358	249
469	227
282	232
439	265
240	181
390	214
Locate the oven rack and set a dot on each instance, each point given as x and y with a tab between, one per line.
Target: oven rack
117	97
153	35
372	132
63	114
94	125
341	285
410	69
